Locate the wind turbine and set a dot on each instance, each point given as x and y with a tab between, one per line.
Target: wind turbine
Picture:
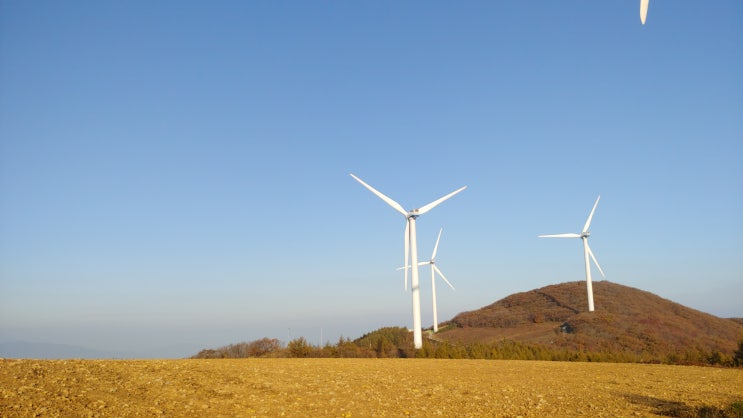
434	270
411	250
644	10
586	253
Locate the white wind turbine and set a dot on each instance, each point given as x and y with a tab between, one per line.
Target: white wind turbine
434	269
586	253
411	250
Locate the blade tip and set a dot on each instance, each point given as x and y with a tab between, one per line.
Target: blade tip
644	4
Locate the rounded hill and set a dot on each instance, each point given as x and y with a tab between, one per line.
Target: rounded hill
626	320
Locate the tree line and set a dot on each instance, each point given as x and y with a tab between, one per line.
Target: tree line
396	342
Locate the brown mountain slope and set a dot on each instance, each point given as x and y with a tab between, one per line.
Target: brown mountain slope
625	320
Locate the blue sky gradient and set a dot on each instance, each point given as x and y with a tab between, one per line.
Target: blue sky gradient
177	173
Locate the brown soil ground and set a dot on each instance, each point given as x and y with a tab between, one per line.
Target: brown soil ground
360	388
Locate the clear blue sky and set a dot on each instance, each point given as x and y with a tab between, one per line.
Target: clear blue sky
178	172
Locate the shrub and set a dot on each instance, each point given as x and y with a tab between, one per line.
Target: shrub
299	348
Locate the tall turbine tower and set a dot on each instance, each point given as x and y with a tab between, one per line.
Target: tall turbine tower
586	253
411	250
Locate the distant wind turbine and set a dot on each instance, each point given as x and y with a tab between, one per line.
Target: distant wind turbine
411	250
644	10
434	270
586	252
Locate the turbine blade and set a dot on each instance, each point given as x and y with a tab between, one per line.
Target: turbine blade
389	201
436	247
560	236
588	222
644	10
422	263
442	275
435	203
594	259
407	251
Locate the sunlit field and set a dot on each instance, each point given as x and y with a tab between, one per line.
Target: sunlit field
362	387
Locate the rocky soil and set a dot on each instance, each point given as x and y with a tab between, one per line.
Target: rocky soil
360	388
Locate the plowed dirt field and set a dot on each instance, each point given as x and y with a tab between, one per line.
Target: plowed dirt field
359	388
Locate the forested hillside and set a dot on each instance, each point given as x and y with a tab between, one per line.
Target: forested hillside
550	323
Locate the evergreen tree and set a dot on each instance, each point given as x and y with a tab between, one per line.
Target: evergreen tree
738	357
299	348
